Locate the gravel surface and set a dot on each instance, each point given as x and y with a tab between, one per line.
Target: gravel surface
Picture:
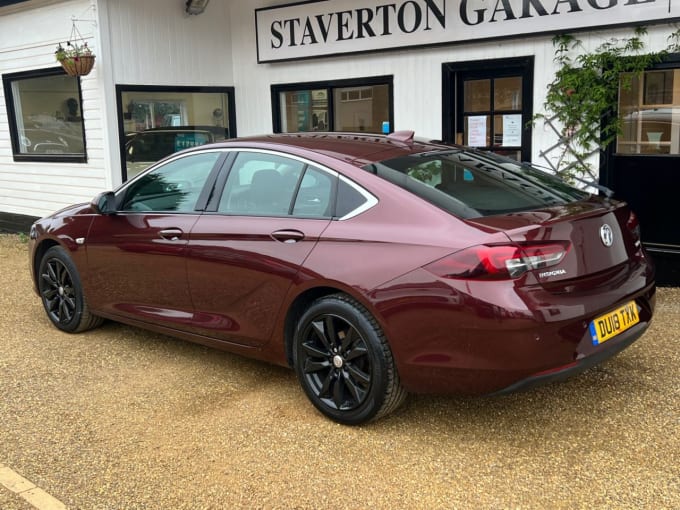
119	418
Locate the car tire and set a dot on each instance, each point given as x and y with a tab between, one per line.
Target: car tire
344	363
62	293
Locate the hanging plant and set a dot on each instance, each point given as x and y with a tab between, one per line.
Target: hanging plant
583	96
76	57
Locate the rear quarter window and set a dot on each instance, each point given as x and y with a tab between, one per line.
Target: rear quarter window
470	184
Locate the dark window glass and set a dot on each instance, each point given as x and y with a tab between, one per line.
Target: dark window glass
45	115
472	184
348	199
174	186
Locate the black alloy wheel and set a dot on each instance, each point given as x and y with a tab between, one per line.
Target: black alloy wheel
343	362
62	294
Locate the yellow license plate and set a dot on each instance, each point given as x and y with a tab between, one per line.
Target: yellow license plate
611	324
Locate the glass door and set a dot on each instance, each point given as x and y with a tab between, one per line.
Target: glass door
642	167
488	105
492	115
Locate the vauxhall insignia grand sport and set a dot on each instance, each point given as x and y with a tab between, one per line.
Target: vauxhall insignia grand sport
372	265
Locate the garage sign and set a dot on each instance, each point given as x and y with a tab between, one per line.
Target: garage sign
336	27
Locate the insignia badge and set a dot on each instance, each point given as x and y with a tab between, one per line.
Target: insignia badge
606	235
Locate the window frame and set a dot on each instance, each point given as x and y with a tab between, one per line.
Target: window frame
329	86
220	183
454	74
638	143
123	88
121	193
7	81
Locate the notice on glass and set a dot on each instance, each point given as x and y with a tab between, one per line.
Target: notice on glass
512	130
477	131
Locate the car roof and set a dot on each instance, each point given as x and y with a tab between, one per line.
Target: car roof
356	148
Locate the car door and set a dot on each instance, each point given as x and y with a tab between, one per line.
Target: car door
244	255
136	257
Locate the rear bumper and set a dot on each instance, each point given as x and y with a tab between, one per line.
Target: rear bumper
609	350
486	339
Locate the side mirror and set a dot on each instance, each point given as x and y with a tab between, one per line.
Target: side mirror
104	203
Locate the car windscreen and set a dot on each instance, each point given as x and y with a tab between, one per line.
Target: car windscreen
471	184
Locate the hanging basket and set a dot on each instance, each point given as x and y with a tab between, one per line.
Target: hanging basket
76	57
78	66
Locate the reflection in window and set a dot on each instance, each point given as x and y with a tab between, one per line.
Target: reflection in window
158	121
262	184
361	109
304	110
314	194
477	95
174	186
358	107
649	111
45	115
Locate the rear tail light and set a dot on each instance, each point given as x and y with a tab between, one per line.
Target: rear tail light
633	225
498	261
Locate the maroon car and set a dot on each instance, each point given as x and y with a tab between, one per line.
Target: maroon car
373	265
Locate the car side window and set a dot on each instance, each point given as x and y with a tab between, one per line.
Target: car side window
174	186
314	194
260	184
263	184
348	199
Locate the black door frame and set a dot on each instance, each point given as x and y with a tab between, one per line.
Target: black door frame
452	106
607	166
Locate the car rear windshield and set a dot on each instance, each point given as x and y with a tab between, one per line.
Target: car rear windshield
471	184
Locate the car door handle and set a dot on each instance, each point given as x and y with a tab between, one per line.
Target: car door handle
171	234
288	236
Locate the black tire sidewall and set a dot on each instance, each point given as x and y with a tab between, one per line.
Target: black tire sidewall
370	331
58	253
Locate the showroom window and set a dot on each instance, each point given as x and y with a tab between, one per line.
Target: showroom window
348	105
155	121
44	115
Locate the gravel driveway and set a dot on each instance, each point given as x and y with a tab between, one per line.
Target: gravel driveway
118	418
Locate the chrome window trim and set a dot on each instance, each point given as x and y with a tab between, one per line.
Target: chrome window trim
371	199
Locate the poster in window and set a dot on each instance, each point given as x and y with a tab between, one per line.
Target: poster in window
512	130
477	131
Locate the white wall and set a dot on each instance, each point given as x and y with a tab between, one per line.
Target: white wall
27	41
150	42
154	42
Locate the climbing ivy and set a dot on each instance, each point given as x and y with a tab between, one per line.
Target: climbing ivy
584	93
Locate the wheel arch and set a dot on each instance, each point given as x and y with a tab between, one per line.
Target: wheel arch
38	254
302	302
